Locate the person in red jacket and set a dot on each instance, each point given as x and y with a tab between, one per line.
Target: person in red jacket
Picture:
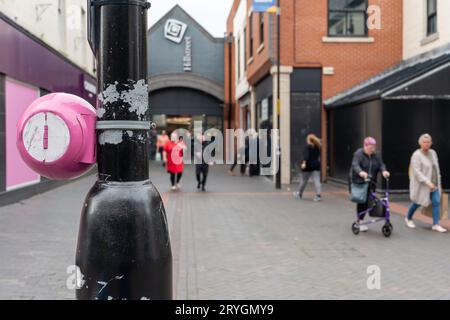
173	157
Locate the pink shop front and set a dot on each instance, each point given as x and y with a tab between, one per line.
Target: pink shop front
28	70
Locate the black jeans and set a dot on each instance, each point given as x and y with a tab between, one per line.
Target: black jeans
201	171
175	177
243	167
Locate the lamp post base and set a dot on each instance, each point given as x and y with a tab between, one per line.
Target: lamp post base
123	247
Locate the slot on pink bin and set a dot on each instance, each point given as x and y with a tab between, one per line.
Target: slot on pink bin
56	136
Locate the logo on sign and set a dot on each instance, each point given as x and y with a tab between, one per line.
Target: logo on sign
175	30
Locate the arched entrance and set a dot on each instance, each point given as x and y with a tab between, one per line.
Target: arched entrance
179	107
177	100
186	74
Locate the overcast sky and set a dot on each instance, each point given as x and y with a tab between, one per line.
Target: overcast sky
211	14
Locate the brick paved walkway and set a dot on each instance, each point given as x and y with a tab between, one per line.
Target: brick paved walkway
239	240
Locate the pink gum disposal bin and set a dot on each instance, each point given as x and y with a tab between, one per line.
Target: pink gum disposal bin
56	136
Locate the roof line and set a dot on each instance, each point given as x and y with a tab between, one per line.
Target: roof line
386	73
377	78
365	83
200	27
416	79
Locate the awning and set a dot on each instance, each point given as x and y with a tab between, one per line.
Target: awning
426	78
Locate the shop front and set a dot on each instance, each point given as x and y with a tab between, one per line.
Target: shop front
395	108
29	68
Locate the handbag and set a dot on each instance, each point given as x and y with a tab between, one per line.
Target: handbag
358	193
443	210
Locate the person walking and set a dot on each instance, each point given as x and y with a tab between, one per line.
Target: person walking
425	182
235	150
240	157
235	162
153	144
161	141
202	164
310	167
366	165
173	157
253	154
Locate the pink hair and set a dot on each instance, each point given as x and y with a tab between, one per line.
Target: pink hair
370	141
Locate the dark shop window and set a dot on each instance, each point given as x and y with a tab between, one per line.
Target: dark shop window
250	22
261	28
244	40
347	18
239	59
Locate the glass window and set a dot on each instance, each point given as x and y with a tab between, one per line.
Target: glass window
347	18
244	40
239	59
261	28
264	114
250	22
431	17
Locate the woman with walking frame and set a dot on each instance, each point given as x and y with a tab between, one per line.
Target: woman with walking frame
366	165
311	167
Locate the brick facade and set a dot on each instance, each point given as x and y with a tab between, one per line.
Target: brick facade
305	43
352	62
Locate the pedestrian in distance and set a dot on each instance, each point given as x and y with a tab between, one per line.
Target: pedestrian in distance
235	162
310	167
153	149
366	165
161	141
425	186
253	154
241	157
173	157
202	164
236	156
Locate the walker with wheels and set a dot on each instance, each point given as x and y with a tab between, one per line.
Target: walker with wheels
378	209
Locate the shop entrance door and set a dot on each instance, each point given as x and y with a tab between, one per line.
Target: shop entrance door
305	119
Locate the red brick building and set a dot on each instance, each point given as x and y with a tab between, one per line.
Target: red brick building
326	47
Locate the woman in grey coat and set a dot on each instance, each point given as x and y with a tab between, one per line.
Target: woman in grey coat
425	182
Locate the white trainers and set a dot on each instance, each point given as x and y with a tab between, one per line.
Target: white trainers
410	223
178	186
438	228
297	195
317	198
363	228
174	188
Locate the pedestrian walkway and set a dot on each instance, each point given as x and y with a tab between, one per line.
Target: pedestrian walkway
241	239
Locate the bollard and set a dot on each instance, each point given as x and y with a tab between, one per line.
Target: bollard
123	249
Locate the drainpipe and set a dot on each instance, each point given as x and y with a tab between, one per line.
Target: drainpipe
230	80
278	174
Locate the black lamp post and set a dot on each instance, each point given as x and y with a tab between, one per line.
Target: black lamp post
123	248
